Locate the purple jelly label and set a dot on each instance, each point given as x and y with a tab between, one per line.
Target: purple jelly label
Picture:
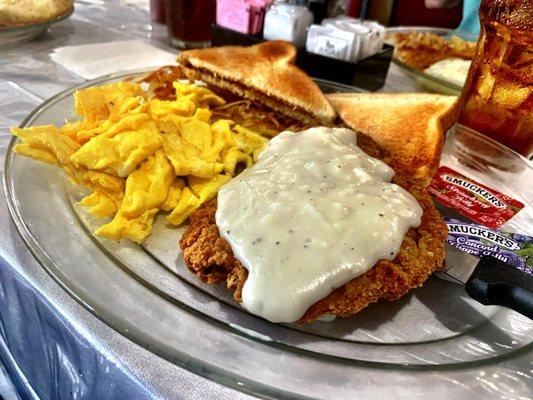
512	248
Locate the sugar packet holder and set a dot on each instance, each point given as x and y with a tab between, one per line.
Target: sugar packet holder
346	39
334	43
245	16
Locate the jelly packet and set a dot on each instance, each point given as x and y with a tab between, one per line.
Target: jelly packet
512	248
473	200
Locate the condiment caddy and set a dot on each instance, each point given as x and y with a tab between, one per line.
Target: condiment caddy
368	73
343	38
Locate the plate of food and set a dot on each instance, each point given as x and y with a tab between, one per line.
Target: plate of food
23	20
439	58
231	217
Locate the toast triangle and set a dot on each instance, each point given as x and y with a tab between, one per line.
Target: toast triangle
410	126
264	72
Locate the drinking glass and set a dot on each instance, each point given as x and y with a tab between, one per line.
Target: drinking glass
497	99
189	22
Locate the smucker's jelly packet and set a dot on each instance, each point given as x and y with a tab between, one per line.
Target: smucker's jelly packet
473	200
512	248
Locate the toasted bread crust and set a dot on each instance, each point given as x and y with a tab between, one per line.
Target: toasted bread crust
422	252
267	68
411	126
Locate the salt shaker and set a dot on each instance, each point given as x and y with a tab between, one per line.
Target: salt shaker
288	21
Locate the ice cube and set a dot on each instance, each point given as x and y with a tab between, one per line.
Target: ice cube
511	95
486	83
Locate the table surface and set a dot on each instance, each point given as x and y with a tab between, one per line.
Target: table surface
67	336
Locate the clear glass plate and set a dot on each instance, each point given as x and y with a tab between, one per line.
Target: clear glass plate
427	81
12	36
434	340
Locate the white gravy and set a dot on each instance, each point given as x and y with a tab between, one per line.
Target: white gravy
312	214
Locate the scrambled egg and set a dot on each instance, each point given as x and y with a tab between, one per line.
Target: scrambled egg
140	155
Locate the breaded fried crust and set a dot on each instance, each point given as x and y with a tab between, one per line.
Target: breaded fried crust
422	252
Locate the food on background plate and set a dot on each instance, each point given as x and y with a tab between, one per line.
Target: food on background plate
421	252
421	49
453	70
16	13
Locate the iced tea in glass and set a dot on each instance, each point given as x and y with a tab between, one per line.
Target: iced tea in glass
497	99
189	22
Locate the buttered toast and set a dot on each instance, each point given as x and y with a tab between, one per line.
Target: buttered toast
410	126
